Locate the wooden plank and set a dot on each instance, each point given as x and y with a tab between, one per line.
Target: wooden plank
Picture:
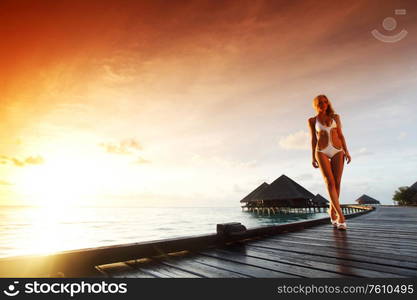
382	216
379	229
384	213
123	270
352	236
306	261
360	256
387	221
194	264
364	241
387	255
159	270
384	225
341	253
360	232
290	268
404	218
408	253
242	268
362	269
405	255
379	216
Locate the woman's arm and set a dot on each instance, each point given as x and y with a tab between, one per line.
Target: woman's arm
342	138
311	123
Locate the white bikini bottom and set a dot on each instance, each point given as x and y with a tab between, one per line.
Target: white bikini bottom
330	150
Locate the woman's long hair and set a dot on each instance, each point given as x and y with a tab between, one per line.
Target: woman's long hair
329	111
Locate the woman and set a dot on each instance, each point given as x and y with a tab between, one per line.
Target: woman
329	152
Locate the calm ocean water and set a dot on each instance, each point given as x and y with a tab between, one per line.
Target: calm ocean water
31	230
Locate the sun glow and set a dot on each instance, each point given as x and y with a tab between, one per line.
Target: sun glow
50	231
58	183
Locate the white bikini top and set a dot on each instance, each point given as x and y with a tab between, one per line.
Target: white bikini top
320	126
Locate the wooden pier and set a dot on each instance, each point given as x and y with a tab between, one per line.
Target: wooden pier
379	243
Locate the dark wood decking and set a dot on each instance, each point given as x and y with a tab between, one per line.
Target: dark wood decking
382	243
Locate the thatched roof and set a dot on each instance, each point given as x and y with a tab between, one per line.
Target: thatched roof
254	195
282	188
319	199
365	199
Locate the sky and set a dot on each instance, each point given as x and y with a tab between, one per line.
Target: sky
196	103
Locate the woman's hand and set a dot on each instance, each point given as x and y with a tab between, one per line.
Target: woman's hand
315	163
348	158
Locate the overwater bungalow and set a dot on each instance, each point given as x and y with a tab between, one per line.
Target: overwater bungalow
254	198
283	194
366	200
319	201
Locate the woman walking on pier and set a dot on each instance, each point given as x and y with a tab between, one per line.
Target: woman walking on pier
329	152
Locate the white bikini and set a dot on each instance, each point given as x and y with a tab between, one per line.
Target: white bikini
330	150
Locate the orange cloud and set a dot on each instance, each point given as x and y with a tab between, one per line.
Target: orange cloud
125	147
31	160
141	161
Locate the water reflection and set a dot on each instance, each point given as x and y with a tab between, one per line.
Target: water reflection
340	238
42	231
35	230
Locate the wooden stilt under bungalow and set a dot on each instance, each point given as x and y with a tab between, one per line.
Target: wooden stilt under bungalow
319	201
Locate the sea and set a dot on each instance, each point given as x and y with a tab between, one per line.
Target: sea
40	230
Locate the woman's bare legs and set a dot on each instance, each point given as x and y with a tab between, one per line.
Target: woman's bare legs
337	163
329	178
